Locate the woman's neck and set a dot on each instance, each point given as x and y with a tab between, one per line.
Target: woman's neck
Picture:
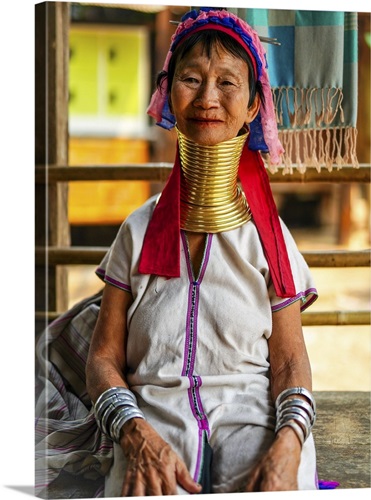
210	198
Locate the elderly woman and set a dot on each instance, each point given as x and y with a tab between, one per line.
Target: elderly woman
197	367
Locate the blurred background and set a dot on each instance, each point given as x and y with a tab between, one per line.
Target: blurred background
112	67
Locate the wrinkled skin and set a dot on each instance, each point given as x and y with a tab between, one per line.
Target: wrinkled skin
153	467
277	470
209	96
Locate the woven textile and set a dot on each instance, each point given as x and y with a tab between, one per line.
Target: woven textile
313	74
72	456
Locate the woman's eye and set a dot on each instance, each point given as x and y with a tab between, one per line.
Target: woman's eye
191	80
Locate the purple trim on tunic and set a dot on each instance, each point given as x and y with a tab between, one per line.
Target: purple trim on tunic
100	272
299	296
193	301
206	258
194	318
118	284
190	346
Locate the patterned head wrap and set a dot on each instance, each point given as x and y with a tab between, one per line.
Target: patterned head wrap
161	246
263	130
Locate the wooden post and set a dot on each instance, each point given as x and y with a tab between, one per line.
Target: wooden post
51	147
364	103
364	85
164	146
363	128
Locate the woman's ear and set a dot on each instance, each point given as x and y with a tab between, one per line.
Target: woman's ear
253	109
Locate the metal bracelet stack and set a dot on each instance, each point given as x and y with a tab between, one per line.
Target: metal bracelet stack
296	413
113	408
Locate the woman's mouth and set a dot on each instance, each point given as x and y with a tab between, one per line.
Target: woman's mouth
206	121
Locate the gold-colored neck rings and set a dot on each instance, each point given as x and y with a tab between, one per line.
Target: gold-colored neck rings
210	198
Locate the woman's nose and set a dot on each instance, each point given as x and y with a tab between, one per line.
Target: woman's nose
207	96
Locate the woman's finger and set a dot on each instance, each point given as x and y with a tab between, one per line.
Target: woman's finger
185	479
134	484
126	484
155	483
139	485
151	481
253	483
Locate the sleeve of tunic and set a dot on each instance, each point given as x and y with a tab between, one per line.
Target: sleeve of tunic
306	291
114	269
121	261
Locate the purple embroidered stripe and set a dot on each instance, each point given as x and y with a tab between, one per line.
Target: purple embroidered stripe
206	258
101	273
117	283
193	302
190	347
300	296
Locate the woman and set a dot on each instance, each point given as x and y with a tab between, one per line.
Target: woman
197	366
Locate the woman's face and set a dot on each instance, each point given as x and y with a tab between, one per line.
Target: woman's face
209	96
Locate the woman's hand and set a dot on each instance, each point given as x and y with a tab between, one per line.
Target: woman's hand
153	467
277	470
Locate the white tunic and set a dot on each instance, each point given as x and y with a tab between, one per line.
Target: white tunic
197	349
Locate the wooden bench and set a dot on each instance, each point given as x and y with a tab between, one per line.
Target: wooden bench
342	436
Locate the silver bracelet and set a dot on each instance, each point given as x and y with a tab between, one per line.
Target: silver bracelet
299	403
300	413
295	409
115	390
120	420
301	419
296	427
104	403
114	408
110	395
296	390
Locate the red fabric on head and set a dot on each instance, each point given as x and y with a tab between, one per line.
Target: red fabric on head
161	245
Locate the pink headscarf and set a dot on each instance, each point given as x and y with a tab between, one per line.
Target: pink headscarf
265	136
161	245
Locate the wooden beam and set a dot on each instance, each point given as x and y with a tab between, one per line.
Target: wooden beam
338	258
336	318
51	145
161	171
324	318
66	256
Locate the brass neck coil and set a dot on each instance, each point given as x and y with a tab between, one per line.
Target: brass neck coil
210	199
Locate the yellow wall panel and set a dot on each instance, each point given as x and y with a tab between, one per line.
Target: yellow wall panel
105	202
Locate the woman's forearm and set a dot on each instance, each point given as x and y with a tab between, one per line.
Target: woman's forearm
101	374
289	361
106	363
293	373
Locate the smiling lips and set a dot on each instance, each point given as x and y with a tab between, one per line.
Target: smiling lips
205	121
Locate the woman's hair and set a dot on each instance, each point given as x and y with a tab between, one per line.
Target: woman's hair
209	39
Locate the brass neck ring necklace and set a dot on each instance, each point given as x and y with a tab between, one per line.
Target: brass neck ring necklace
211	200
